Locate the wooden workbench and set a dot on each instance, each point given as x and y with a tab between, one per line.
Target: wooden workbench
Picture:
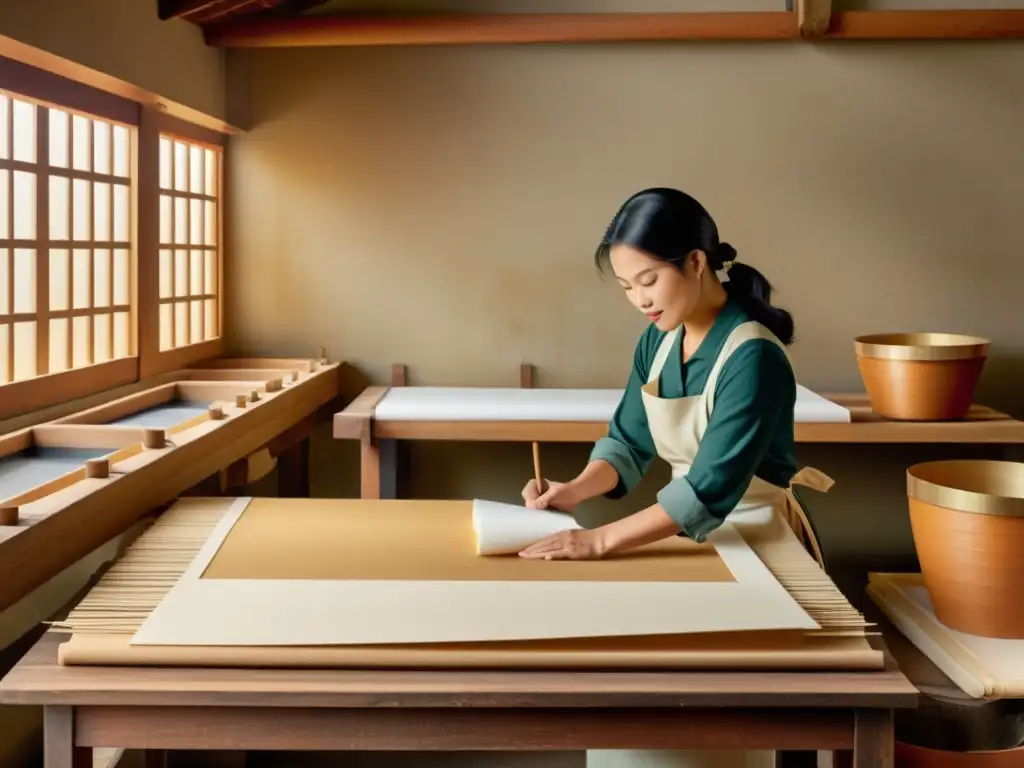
381	435
243	709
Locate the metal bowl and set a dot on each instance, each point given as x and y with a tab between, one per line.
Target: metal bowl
967	518
921	376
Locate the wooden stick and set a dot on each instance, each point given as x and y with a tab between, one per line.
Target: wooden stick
538	475
526	382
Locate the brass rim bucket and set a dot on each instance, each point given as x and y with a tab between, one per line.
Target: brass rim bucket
967	518
921	376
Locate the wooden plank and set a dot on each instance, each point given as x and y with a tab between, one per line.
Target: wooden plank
352	423
385	728
500	28
22	397
83	518
106	84
37	679
926	25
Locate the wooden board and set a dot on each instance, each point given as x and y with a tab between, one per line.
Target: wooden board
61	523
983	667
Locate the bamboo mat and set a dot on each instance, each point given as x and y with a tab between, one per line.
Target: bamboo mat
102	624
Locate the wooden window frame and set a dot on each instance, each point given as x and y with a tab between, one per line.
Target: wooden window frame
147	120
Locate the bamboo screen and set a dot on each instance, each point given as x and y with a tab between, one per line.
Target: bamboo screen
66	239
190	175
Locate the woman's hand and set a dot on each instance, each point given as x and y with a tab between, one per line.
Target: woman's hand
586	544
560	496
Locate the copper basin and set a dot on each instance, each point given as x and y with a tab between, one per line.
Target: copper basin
921	376
967	518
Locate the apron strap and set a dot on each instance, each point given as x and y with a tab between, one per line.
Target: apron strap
661	355
794	512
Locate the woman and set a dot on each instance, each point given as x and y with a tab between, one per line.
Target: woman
711	391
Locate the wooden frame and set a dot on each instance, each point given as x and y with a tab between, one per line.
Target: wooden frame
379	440
62	522
812	20
129	248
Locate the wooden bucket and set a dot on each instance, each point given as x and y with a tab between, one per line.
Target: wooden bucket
967	518
921	376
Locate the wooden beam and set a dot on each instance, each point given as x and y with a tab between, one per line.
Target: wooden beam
497	28
926	25
813	16
101	81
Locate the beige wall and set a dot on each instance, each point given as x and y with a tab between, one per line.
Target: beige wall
125	39
439	207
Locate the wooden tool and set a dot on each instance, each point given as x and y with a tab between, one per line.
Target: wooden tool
241	400
9	515
216	412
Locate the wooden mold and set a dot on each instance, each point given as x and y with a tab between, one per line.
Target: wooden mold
170	408
967	518
133	457
921	376
37	462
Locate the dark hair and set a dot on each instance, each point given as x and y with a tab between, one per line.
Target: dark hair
669	225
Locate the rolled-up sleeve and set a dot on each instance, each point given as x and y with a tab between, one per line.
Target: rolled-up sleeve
756	391
628	447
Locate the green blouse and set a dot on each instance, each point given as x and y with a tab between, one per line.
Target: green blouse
750	431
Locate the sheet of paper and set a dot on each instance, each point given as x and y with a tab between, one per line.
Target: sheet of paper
297	611
539	404
505	529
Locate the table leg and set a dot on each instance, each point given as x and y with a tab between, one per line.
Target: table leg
392	455
293	471
872	742
59	750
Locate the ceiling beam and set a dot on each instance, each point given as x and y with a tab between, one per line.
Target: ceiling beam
498	28
813	16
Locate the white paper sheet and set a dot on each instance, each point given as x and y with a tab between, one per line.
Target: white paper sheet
505	529
517	404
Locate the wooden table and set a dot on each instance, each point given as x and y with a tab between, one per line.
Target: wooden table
224	709
382	459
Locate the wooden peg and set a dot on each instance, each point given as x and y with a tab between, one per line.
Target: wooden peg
526	376
254	396
216	411
399	375
321	353
241	400
97	468
273	385
154	438
9	515
293	376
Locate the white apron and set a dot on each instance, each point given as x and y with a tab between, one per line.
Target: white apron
677	427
